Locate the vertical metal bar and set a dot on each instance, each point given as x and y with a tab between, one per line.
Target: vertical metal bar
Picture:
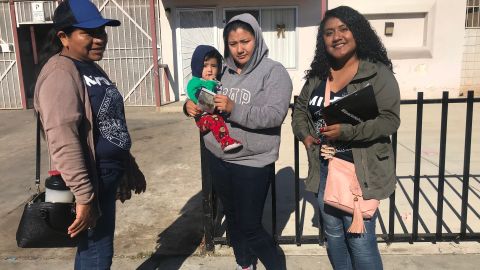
3	65
466	164
149	94
122	53
17	54
323	8
130	51
34	44
441	165
207	196
274	204
416	177
134	82
166	83
156	75
391	210
107	66
296	155
297	191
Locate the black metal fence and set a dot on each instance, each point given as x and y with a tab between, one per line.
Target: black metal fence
212	217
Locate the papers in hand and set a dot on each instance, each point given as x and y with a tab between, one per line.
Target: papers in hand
205	100
354	108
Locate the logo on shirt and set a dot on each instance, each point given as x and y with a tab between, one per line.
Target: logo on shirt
111	119
239	96
91	80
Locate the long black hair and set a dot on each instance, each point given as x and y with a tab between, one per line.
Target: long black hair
369	45
52	46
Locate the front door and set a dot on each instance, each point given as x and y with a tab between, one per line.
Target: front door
195	27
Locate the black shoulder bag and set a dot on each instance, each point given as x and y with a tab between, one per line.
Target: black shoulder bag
45	224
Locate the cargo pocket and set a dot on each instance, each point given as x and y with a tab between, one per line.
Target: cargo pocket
383	152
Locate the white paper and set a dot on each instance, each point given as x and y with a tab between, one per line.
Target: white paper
38	14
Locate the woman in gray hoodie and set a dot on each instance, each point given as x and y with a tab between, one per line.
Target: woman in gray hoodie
255	97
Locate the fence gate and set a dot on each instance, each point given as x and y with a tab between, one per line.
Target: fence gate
10	96
128	58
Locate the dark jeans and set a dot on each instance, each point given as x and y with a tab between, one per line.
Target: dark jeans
242	191
95	249
347	251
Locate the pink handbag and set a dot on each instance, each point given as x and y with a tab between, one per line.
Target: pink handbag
343	191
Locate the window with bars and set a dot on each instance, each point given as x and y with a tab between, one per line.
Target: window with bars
472	18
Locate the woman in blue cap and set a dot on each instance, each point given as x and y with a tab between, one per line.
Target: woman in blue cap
82	115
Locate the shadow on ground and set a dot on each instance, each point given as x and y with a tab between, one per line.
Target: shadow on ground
175	244
285	204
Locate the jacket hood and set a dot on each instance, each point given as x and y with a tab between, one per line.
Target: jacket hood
198	57
260	51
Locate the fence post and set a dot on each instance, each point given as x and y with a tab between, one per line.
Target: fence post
416	177
155	71
296	155
466	164
441	165
391	211
207	200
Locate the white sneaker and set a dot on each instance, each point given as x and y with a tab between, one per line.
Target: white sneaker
231	147
248	268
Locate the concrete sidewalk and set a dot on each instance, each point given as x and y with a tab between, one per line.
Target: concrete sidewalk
390	262
167	220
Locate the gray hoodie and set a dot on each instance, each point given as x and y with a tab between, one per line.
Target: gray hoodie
261	93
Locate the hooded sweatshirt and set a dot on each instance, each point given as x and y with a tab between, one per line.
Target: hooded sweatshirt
261	93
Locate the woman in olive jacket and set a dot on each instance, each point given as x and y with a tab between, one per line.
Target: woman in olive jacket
350	55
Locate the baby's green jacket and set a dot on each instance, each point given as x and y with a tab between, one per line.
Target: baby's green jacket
196	84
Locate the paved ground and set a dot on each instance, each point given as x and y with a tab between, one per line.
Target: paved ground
391	262
166	220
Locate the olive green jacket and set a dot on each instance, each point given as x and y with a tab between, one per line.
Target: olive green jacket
370	140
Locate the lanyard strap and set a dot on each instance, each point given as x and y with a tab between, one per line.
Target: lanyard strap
37	155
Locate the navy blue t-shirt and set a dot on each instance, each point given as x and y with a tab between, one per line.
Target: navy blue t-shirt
315	104
110	133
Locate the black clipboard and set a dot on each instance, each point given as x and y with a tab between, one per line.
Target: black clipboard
353	109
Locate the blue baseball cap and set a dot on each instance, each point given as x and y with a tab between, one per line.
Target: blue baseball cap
80	14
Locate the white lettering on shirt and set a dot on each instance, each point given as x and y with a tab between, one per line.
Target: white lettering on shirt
91	80
239	96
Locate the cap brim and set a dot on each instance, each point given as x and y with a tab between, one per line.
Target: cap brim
97	23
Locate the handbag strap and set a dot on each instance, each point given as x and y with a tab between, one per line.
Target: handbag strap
37	155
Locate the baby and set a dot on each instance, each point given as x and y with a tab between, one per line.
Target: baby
206	63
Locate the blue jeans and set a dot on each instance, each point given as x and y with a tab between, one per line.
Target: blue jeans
345	250
242	191
95	249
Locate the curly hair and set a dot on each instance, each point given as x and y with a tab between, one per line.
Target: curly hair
369	45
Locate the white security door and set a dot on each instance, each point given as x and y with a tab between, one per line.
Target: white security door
195	27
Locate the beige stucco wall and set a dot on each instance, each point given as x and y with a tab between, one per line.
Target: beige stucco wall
308	18
431	66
